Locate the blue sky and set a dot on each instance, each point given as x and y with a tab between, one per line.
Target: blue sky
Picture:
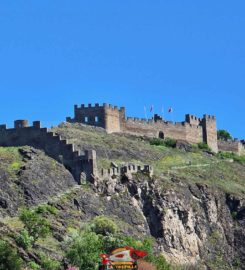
189	55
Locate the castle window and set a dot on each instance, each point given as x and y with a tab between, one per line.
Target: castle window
96	119
86	119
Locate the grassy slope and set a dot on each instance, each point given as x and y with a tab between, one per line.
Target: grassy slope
192	167
10	160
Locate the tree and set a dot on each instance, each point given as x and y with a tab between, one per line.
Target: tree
84	251
36	225
9	260
103	225
224	135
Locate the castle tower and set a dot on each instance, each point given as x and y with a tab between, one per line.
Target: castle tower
192	119
106	116
210	132
20	123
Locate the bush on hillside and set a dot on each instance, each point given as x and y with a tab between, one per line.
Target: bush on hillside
84	251
166	142
9	259
231	155
157	142
46	208
34	266
49	264
84	248
111	242
25	240
103	225
170	142
36	225
203	146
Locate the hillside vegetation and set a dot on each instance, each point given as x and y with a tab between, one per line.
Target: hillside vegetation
189	215
192	166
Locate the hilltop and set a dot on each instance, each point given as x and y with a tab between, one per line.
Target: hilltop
192	207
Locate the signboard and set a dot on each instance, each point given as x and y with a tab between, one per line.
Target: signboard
122	258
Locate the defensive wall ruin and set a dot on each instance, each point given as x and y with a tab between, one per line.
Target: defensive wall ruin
41	138
122	170
234	146
54	146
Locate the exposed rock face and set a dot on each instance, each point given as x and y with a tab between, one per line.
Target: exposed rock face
192	223
37	180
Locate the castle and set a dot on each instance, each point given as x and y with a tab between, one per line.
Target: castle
193	130
112	119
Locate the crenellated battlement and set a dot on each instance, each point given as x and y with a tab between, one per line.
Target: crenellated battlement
97	105
209	117
113	119
52	144
125	169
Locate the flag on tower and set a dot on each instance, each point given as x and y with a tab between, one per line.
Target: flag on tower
170	110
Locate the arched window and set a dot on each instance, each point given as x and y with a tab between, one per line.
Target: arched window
86	119
161	135
96	119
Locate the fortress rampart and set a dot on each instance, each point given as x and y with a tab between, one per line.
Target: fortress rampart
113	119
22	134
122	170
232	146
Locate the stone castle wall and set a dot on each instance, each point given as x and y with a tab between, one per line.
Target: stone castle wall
163	129
51	144
113	119
130	168
231	146
105	116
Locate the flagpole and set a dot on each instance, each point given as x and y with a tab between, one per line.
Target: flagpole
152	111
162	112
146	116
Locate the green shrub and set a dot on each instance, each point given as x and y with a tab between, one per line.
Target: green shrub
46	208
240	159
170	142
35	225
203	146
231	155
25	240
194	148
103	225
34	266
111	242
224	135
157	142
49	264
160	142
161	263
225	155
9	259
83	251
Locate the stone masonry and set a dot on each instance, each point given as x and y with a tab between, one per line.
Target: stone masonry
22	134
113	119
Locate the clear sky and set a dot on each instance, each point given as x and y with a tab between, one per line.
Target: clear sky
185	54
